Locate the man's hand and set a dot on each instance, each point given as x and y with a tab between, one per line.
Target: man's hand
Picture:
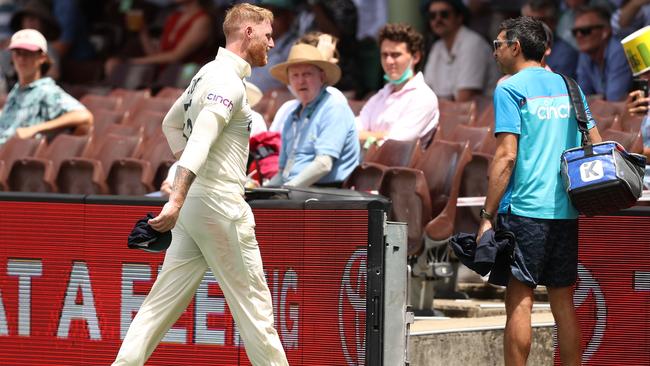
25	132
166	219
636	103
484	226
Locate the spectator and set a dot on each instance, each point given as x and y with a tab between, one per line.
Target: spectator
320	145
563	58
326	44
285	34
567	17
460	64
602	68
186	36
632	15
74	43
406	108
637	102
34	15
36	105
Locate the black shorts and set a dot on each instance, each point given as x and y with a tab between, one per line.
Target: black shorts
546	252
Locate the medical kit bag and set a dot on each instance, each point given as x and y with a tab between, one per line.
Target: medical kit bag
600	178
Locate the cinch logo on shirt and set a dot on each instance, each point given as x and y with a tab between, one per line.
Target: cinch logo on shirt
219	99
591	170
545	112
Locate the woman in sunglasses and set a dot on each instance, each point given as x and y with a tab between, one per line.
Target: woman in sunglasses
460	64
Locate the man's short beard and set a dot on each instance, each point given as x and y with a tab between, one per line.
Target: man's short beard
257	53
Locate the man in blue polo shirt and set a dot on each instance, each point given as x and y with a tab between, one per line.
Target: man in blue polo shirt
320	144
534	124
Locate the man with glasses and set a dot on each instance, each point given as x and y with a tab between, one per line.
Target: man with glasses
459	65
526	195
602	67
563	57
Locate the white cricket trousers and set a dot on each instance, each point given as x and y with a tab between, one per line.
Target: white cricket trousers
218	233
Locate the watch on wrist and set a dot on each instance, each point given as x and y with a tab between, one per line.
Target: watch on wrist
485	215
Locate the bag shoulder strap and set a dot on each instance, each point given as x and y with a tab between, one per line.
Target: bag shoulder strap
578	106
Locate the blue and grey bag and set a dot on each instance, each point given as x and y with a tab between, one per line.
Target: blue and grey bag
599	178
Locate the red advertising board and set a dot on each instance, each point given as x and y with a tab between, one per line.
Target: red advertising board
69	287
612	296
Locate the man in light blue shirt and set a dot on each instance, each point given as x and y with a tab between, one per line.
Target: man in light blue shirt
320	144
534	124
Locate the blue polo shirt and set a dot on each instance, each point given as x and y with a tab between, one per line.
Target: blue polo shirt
325	127
38	102
534	105
613	80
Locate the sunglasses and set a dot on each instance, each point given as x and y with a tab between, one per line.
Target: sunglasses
585	31
498	42
444	14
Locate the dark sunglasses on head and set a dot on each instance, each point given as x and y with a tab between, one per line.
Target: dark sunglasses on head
444	14
585	31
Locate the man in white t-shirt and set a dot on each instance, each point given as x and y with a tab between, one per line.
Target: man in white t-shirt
460	65
208	129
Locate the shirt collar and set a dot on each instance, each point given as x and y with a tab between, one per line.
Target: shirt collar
36	83
311	106
413	83
242	67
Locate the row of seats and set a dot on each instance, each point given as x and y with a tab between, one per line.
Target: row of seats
110	163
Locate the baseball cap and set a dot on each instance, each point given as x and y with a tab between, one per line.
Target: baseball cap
28	39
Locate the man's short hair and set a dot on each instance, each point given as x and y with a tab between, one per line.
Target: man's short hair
243	13
601	12
530	34
539	5
399	32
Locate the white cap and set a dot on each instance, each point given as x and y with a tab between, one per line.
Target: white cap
28	39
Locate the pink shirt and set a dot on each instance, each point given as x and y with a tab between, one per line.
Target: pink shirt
405	115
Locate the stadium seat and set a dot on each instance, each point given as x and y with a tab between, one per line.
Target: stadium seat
426	194
149	120
606	122
448	107
170	93
161	105
13	150
137	176
448	122
478	137
486	117
606	108
87	174
474	183
131	76
105	102
104	119
631	123
38	173
368	175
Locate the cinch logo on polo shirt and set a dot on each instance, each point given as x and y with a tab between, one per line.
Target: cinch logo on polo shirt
219	99
553	112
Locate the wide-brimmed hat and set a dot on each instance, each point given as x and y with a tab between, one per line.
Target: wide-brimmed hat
37	8
253	93
306	54
28	39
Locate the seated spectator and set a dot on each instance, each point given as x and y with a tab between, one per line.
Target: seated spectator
36	105
326	44
632	15
566	20
185	38
563	58
406	108
74	43
34	15
460	64
285	34
319	140
602	67
637	102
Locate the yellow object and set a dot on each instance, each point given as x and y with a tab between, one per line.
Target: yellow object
637	50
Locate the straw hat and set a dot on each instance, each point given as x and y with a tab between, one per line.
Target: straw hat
306	54
253	93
